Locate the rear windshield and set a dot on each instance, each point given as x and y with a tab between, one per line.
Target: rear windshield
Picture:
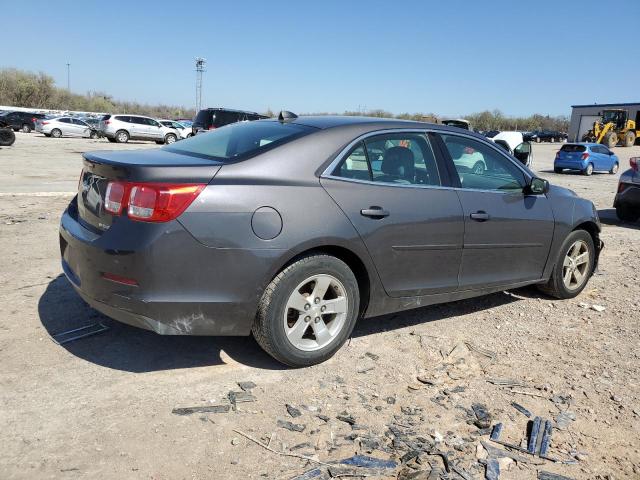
240	140
204	117
573	148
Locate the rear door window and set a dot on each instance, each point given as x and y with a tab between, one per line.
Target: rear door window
398	158
123	118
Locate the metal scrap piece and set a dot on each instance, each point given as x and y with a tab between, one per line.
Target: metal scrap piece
521	409
77	333
201	409
546	438
542	475
533	436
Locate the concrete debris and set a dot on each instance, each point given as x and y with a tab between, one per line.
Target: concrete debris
564	419
483	417
293	427
202	409
246	386
293	411
598	308
542	475
347	418
493	469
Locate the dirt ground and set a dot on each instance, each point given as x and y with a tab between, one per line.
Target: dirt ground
101	407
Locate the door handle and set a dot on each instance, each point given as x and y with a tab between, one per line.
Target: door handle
374	212
480	216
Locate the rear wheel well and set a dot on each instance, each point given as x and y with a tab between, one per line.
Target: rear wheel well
352	260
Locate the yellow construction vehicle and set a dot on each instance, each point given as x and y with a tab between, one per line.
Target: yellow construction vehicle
614	127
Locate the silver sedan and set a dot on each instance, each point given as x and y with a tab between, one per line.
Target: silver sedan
66	127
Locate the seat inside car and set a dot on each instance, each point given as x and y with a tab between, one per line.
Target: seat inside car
397	166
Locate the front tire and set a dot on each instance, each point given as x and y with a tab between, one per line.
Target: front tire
93	135
573	268
610	139
589	170
557	170
614	168
111	140
26	128
308	311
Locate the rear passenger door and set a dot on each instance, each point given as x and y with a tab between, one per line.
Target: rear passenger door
138	127
390	187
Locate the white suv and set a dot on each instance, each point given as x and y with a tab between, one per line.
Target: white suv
122	128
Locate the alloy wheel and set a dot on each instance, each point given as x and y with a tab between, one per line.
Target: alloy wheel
316	312
575	267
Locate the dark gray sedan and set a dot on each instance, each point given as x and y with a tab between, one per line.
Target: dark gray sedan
293	228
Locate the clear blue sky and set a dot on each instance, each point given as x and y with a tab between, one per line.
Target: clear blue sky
447	57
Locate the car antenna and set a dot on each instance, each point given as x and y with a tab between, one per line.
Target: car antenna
285	115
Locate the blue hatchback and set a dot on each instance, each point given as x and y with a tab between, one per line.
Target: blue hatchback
585	157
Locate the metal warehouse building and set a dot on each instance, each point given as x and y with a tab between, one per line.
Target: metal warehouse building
583	116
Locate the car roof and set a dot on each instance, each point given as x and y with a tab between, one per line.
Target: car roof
584	144
324	122
231	110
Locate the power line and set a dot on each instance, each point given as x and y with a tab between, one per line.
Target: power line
68	77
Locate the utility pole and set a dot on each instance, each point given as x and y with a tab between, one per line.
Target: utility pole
200	64
68	77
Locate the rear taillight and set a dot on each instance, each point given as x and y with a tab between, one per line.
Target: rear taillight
114	197
558	154
150	202
107	122
633	162
585	156
44	123
621	187
212	127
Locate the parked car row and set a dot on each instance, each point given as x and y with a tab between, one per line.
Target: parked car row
24	121
546	136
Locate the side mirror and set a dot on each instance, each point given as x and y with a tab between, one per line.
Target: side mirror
537	186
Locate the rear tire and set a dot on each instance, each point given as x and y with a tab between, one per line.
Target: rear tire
627	214
286	332
576	243
56	133
557	170
614	168
610	139
111	140
170	138
26	128
122	136
552	140
629	139
588	171
93	135
538	140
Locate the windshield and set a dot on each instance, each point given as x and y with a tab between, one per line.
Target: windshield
240	139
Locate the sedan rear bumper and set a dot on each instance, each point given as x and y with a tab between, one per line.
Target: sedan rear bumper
628	196
183	287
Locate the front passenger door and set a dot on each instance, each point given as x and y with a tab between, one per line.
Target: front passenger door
507	233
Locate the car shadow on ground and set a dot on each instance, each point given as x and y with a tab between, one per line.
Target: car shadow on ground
136	350
608	217
443	311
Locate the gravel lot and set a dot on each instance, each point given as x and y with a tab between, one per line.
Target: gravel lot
101	407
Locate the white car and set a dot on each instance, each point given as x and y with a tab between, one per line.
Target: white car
183	130
65	127
514	143
122	128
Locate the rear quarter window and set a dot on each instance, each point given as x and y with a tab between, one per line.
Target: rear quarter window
239	141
